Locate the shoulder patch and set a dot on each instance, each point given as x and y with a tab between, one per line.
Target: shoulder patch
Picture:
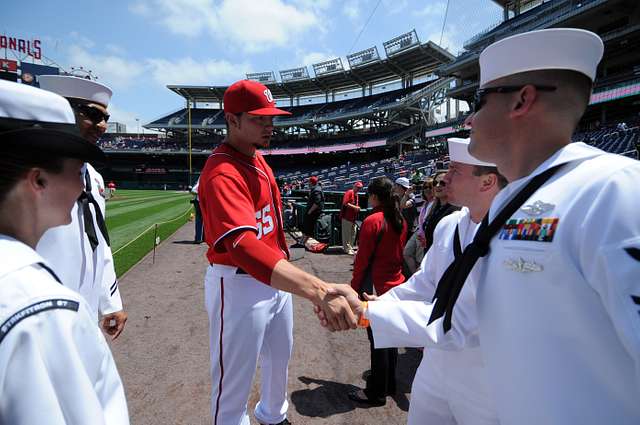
634	253
39	307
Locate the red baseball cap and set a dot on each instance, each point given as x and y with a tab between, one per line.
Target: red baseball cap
250	97
358	184
313	179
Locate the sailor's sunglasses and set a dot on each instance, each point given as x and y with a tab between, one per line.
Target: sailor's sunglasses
479	98
94	114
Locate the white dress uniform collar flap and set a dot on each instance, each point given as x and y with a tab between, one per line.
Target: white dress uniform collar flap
21	255
568	153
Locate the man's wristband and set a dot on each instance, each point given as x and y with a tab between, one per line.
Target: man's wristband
364	322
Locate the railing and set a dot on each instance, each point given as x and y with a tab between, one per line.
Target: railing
533	20
410	131
423	92
133	251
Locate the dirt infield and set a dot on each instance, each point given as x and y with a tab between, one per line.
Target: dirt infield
163	354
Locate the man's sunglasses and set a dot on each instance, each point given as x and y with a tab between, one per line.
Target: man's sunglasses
478	100
94	114
441	183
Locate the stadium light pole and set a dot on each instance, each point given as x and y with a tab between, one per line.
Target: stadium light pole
189	136
138	123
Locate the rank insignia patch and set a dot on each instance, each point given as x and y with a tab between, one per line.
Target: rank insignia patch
537	208
523	266
529	229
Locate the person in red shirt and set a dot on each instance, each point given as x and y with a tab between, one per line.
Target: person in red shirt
378	266
249	280
348	215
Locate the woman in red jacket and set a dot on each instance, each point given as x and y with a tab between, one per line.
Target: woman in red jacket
378	264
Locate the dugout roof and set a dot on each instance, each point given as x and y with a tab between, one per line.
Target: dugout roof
406	57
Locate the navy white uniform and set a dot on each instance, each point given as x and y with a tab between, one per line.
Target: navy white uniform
55	365
89	272
559	310
450	387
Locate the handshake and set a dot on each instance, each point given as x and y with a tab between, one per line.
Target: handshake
341	309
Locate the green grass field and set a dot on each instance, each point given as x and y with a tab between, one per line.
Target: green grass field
131	219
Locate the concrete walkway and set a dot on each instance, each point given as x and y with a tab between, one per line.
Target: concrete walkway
163	354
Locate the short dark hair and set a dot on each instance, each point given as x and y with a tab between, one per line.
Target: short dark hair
481	170
14	165
239	114
574	89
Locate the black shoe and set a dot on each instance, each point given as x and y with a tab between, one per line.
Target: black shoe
285	422
360	397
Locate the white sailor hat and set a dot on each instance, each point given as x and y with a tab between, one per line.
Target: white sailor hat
33	119
459	152
569	49
75	87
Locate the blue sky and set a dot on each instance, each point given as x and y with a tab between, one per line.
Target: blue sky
137	47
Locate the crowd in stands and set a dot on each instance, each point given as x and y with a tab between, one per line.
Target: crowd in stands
414	165
130	142
206	143
206	117
127	143
622	138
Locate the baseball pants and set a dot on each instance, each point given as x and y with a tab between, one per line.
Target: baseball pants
450	388
248	322
348	235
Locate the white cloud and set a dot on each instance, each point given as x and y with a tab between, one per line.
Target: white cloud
451	39
140	8
185	17
249	24
309	58
314	4
432	10
258	25
114	49
190	71
125	117
395	6
115	71
352	9
81	40
119	72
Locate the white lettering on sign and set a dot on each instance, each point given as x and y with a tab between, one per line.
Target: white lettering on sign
29	47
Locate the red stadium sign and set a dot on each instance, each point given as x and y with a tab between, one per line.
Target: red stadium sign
20	45
8	66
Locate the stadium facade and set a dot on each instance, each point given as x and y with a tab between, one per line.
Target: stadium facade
375	105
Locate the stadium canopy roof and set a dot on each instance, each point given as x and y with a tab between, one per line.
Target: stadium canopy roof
517	5
406	56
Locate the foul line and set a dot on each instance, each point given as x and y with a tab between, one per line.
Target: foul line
149	228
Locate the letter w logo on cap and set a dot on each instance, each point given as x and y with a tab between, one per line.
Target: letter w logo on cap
268	95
